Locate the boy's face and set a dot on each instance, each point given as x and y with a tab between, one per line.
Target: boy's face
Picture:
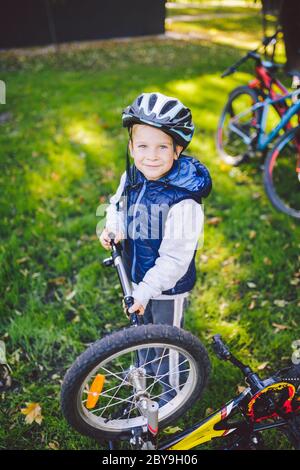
152	150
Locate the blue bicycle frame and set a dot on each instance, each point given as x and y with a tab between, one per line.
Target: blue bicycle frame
264	139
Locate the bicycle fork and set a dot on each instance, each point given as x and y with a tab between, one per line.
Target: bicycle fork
149	409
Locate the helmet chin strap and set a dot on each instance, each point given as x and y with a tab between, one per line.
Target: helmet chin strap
131	172
128	169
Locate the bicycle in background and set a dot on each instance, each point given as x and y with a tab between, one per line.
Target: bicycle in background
242	134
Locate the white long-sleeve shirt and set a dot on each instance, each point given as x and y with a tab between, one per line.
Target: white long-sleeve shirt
182	231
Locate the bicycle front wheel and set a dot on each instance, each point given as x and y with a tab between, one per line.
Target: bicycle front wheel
281	180
102	391
238	126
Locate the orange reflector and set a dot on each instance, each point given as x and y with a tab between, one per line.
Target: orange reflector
94	391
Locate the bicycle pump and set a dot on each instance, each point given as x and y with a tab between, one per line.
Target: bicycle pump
116	260
147	407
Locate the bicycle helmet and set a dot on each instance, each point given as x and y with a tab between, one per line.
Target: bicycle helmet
164	112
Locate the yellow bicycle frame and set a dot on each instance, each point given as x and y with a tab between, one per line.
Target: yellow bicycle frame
206	430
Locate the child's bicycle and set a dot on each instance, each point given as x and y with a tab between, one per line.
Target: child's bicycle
241	132
108	395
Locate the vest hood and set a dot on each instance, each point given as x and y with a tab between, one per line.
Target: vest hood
186	173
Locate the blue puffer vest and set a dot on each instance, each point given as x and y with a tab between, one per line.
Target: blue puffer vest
148	203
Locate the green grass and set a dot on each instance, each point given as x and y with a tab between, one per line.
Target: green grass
240	25
226	10
62	153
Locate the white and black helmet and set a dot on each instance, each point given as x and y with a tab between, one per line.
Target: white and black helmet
164	112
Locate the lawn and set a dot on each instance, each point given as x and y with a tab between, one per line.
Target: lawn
62	154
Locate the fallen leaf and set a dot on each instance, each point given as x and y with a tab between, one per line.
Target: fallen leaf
251	285
214	220
267	261
223	306
3	359
57	280
22	260
15	356
252	305
280	303
295	281
228	261
279	327
209	411
54	445
55	176
172	430
76	319
71	294
55	376
25	272
33	412
252	234
263	365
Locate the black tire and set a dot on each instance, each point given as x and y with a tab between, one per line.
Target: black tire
230	146
281	181
115	344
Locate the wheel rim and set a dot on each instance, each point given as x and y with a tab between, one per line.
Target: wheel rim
231	146
119	392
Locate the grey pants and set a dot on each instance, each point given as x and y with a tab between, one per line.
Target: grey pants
166	312
162	362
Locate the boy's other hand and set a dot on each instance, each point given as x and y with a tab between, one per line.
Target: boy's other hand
137	306
105	240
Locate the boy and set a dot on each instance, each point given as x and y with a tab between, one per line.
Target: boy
163	219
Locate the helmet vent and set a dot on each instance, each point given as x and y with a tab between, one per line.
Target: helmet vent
182	113
169	105
152	101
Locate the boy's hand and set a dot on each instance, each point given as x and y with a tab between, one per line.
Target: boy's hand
140	308
137	306
105	240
